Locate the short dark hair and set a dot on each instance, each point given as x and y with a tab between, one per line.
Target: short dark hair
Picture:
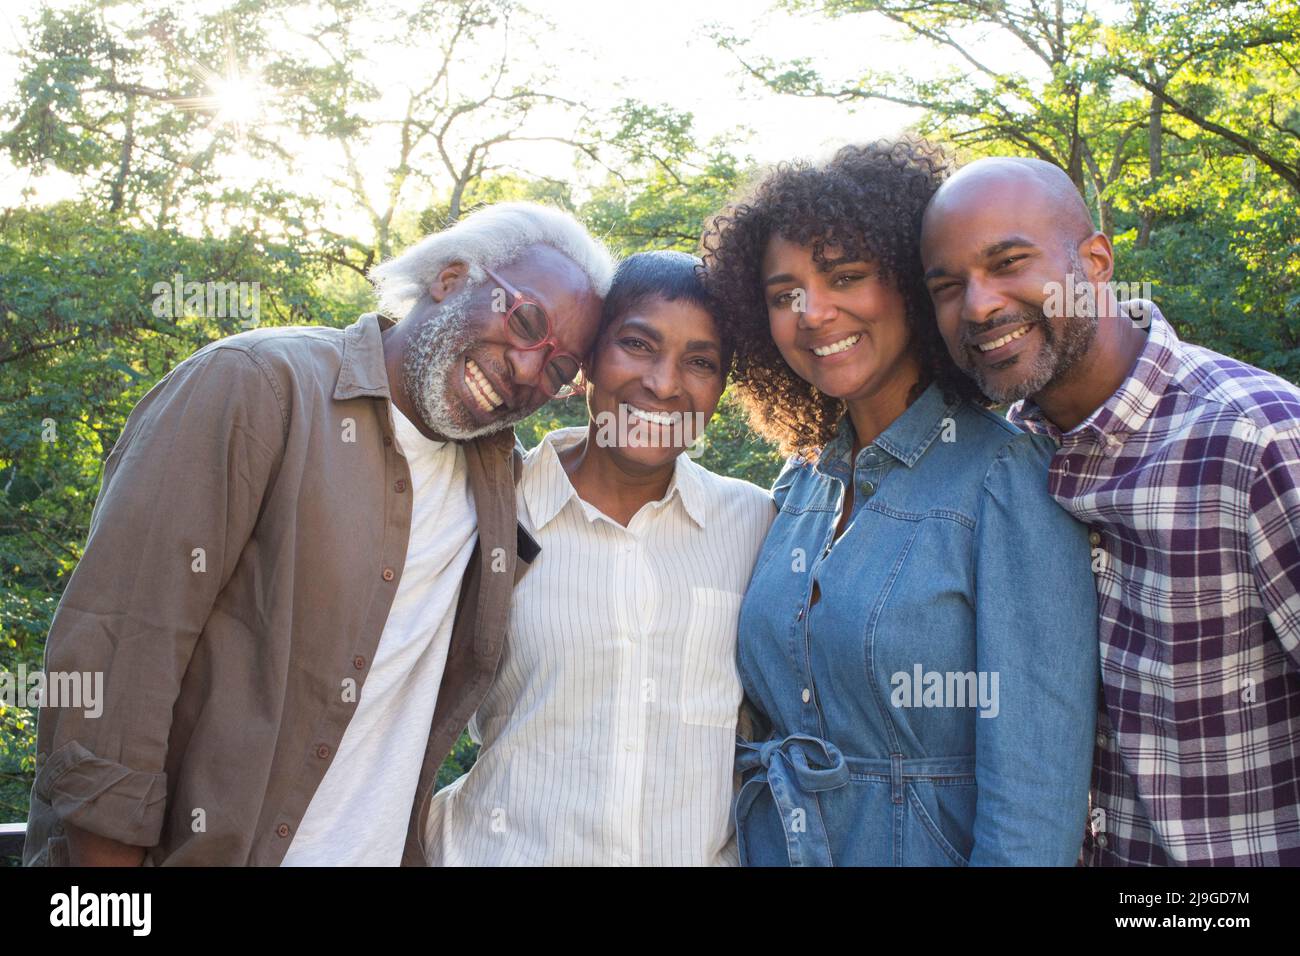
661	274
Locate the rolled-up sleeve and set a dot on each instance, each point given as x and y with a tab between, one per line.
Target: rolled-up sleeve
1274	532
180	497
1036	630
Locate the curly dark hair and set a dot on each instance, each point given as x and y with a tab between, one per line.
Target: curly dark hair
867	203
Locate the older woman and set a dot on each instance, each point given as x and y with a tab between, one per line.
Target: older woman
609	731
920	629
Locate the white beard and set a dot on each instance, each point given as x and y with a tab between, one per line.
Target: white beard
427	364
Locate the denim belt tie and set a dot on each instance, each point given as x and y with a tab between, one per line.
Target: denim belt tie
799	767
795	770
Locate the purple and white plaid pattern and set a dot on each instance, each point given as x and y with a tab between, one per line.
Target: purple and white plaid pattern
1189	477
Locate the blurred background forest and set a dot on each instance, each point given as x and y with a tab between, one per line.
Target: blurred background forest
295	145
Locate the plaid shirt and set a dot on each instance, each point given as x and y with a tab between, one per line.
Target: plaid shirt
1189	478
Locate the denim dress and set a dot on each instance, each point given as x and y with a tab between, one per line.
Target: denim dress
935	705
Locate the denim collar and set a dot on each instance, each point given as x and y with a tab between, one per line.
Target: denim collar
907	438
1128	409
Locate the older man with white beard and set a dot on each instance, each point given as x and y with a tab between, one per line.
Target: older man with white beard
300	563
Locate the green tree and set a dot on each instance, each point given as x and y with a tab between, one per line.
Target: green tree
1180	122
88	324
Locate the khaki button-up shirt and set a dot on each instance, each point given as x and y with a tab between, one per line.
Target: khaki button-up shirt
244	551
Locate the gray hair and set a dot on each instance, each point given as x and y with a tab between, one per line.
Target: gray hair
492	236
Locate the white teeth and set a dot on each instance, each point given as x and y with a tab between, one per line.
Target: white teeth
655	418
839	346
1010	337
479	397
483	382
481	388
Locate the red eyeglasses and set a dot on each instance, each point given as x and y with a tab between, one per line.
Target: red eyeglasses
530	328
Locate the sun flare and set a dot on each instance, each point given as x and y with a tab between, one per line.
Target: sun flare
238	98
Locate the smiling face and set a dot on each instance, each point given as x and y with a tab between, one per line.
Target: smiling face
843	330
658	369
996	266
463	372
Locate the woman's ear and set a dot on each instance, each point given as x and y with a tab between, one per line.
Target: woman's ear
588	369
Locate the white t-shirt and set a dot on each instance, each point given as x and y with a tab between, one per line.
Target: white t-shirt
359	814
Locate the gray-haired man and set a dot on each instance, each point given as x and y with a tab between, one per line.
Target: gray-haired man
287	529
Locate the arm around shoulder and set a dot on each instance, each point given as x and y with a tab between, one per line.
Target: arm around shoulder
1036	630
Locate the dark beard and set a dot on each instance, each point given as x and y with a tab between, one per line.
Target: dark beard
1063	346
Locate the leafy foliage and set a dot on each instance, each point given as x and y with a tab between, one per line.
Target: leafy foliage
1180	121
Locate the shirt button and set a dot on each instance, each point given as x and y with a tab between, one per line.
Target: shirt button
282	830
1094	539
867	488
807	695
322	751
1101	840
629	745
1101	741
399	486
799	617
359	663
388	574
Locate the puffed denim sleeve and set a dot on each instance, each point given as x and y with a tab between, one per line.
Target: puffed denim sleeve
781	487
1036	629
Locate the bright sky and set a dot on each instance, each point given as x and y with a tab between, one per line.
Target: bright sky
658	53
667	55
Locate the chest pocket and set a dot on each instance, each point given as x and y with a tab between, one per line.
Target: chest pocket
710	684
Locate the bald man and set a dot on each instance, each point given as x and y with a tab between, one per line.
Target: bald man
1186	466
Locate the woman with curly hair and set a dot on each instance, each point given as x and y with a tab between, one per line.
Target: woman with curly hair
919	633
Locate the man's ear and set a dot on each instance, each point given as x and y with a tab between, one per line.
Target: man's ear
450	279
1098	257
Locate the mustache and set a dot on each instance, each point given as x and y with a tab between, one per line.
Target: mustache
972	330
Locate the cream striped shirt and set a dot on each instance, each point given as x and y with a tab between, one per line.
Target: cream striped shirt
608	733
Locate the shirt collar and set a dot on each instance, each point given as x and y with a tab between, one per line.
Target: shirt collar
546	487
688	485
907	437
362	372
1128	409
